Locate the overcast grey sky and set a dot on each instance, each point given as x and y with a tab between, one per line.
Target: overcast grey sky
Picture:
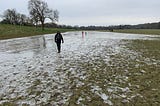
96	12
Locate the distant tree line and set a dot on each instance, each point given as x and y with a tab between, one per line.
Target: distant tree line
38	10
116	27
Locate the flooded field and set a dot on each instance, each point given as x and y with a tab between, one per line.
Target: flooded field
95	69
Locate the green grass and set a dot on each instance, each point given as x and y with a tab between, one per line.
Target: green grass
138	61
140	31
16	31
148	60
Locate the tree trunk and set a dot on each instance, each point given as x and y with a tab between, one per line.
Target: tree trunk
42	25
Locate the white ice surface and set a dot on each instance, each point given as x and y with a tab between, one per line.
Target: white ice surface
25	60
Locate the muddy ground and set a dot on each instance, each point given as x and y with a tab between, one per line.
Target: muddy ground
94	69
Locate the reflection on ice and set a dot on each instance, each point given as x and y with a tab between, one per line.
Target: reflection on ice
22	44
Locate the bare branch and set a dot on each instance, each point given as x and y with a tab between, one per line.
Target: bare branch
39	11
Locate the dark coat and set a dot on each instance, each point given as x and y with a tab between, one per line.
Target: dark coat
58	38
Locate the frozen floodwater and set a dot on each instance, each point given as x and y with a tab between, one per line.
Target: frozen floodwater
33	73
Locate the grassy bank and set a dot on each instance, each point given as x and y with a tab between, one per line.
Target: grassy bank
140	31
16	31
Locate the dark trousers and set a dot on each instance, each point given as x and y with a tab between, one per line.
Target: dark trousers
59	47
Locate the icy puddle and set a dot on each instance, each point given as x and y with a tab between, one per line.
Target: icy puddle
96	69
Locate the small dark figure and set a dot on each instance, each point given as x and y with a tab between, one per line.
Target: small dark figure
58	40
85	33
82	34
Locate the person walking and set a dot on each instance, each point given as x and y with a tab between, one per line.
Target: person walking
58	40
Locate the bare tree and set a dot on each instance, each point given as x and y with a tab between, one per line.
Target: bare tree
34	17
11	16
22	19
39	11
56	16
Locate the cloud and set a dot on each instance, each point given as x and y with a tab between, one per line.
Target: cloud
99	12
19	5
